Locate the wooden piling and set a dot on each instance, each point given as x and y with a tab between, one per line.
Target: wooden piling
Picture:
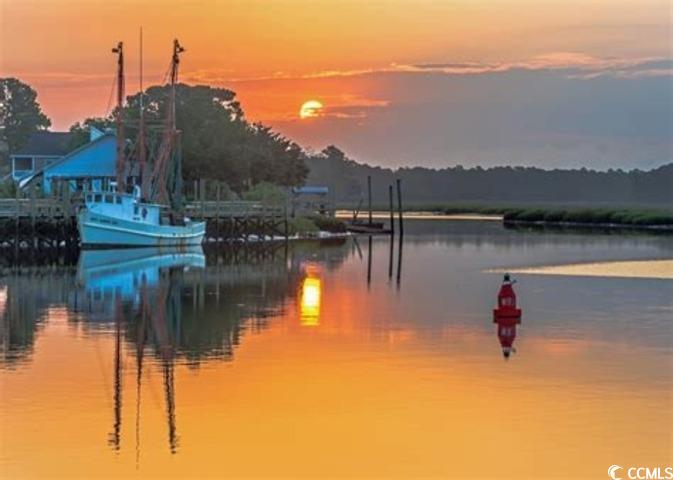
369	262
399	205
392	210
202	196
369	197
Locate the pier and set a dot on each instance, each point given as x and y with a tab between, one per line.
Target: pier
30	222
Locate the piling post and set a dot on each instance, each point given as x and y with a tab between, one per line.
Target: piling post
390	255
399	205
32	216
369	261
17	215
202	195
392	210
369	197
217	213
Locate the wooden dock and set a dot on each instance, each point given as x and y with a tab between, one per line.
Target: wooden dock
51	222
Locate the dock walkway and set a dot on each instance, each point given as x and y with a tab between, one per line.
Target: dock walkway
51	222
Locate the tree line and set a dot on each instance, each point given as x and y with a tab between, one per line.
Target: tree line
219	143
503	185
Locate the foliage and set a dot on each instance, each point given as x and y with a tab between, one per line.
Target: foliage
20	114
218	143
592	216
79	132
7	189
267	193
301	226
328	224
504	185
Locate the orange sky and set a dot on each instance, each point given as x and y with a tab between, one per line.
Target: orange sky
62	48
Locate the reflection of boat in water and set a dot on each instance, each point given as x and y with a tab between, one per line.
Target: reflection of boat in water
507	316
124	270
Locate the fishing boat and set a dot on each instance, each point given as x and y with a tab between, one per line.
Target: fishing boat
147	214
112	219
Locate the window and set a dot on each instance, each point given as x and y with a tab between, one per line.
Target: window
118	200
109	199
88	198
23	163
98	198
135	210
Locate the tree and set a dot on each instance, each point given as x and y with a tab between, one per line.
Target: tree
20	114
80	132
217	141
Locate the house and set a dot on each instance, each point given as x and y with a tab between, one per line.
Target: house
90	166
41	149
309	200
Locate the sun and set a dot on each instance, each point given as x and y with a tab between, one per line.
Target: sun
310	109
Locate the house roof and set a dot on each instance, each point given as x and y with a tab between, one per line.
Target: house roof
29	178
46	143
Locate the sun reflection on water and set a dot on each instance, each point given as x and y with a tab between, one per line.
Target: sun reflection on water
311	290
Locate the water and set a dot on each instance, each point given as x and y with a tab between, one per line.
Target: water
316	361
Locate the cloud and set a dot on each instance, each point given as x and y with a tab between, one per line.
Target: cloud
581	112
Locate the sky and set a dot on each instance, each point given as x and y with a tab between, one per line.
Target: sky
550	83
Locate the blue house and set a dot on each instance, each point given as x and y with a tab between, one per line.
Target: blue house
309	200
41	149
90	166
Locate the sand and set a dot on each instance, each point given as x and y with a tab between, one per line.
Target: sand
657	269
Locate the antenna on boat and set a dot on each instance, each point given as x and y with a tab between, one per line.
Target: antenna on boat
142	160
119	50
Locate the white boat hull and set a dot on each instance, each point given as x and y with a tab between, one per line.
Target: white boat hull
97	230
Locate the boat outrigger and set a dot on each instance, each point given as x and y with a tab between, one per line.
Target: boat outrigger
149	214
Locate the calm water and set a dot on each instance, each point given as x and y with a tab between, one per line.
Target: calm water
325	360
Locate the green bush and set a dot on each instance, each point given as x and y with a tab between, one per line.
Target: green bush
7	189
591	216
267	193
328	224
301	226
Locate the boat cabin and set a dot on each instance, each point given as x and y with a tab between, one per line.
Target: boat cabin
122	206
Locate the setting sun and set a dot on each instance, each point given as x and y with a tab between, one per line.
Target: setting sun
310	109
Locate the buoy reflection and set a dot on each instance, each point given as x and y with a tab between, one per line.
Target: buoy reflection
311	291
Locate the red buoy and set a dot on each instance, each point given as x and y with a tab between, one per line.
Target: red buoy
506	301
507	316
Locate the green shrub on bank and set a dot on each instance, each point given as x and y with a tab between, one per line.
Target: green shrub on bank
301	226
7	189
267	193
328	224
591	216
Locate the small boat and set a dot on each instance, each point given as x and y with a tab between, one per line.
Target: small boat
148	215
506	301
366	227
113	219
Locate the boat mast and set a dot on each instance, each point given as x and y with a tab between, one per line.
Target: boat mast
119	50
142	155
160	171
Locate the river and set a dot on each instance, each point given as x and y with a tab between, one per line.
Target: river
340	358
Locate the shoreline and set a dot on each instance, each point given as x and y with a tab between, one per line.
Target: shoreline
585	225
